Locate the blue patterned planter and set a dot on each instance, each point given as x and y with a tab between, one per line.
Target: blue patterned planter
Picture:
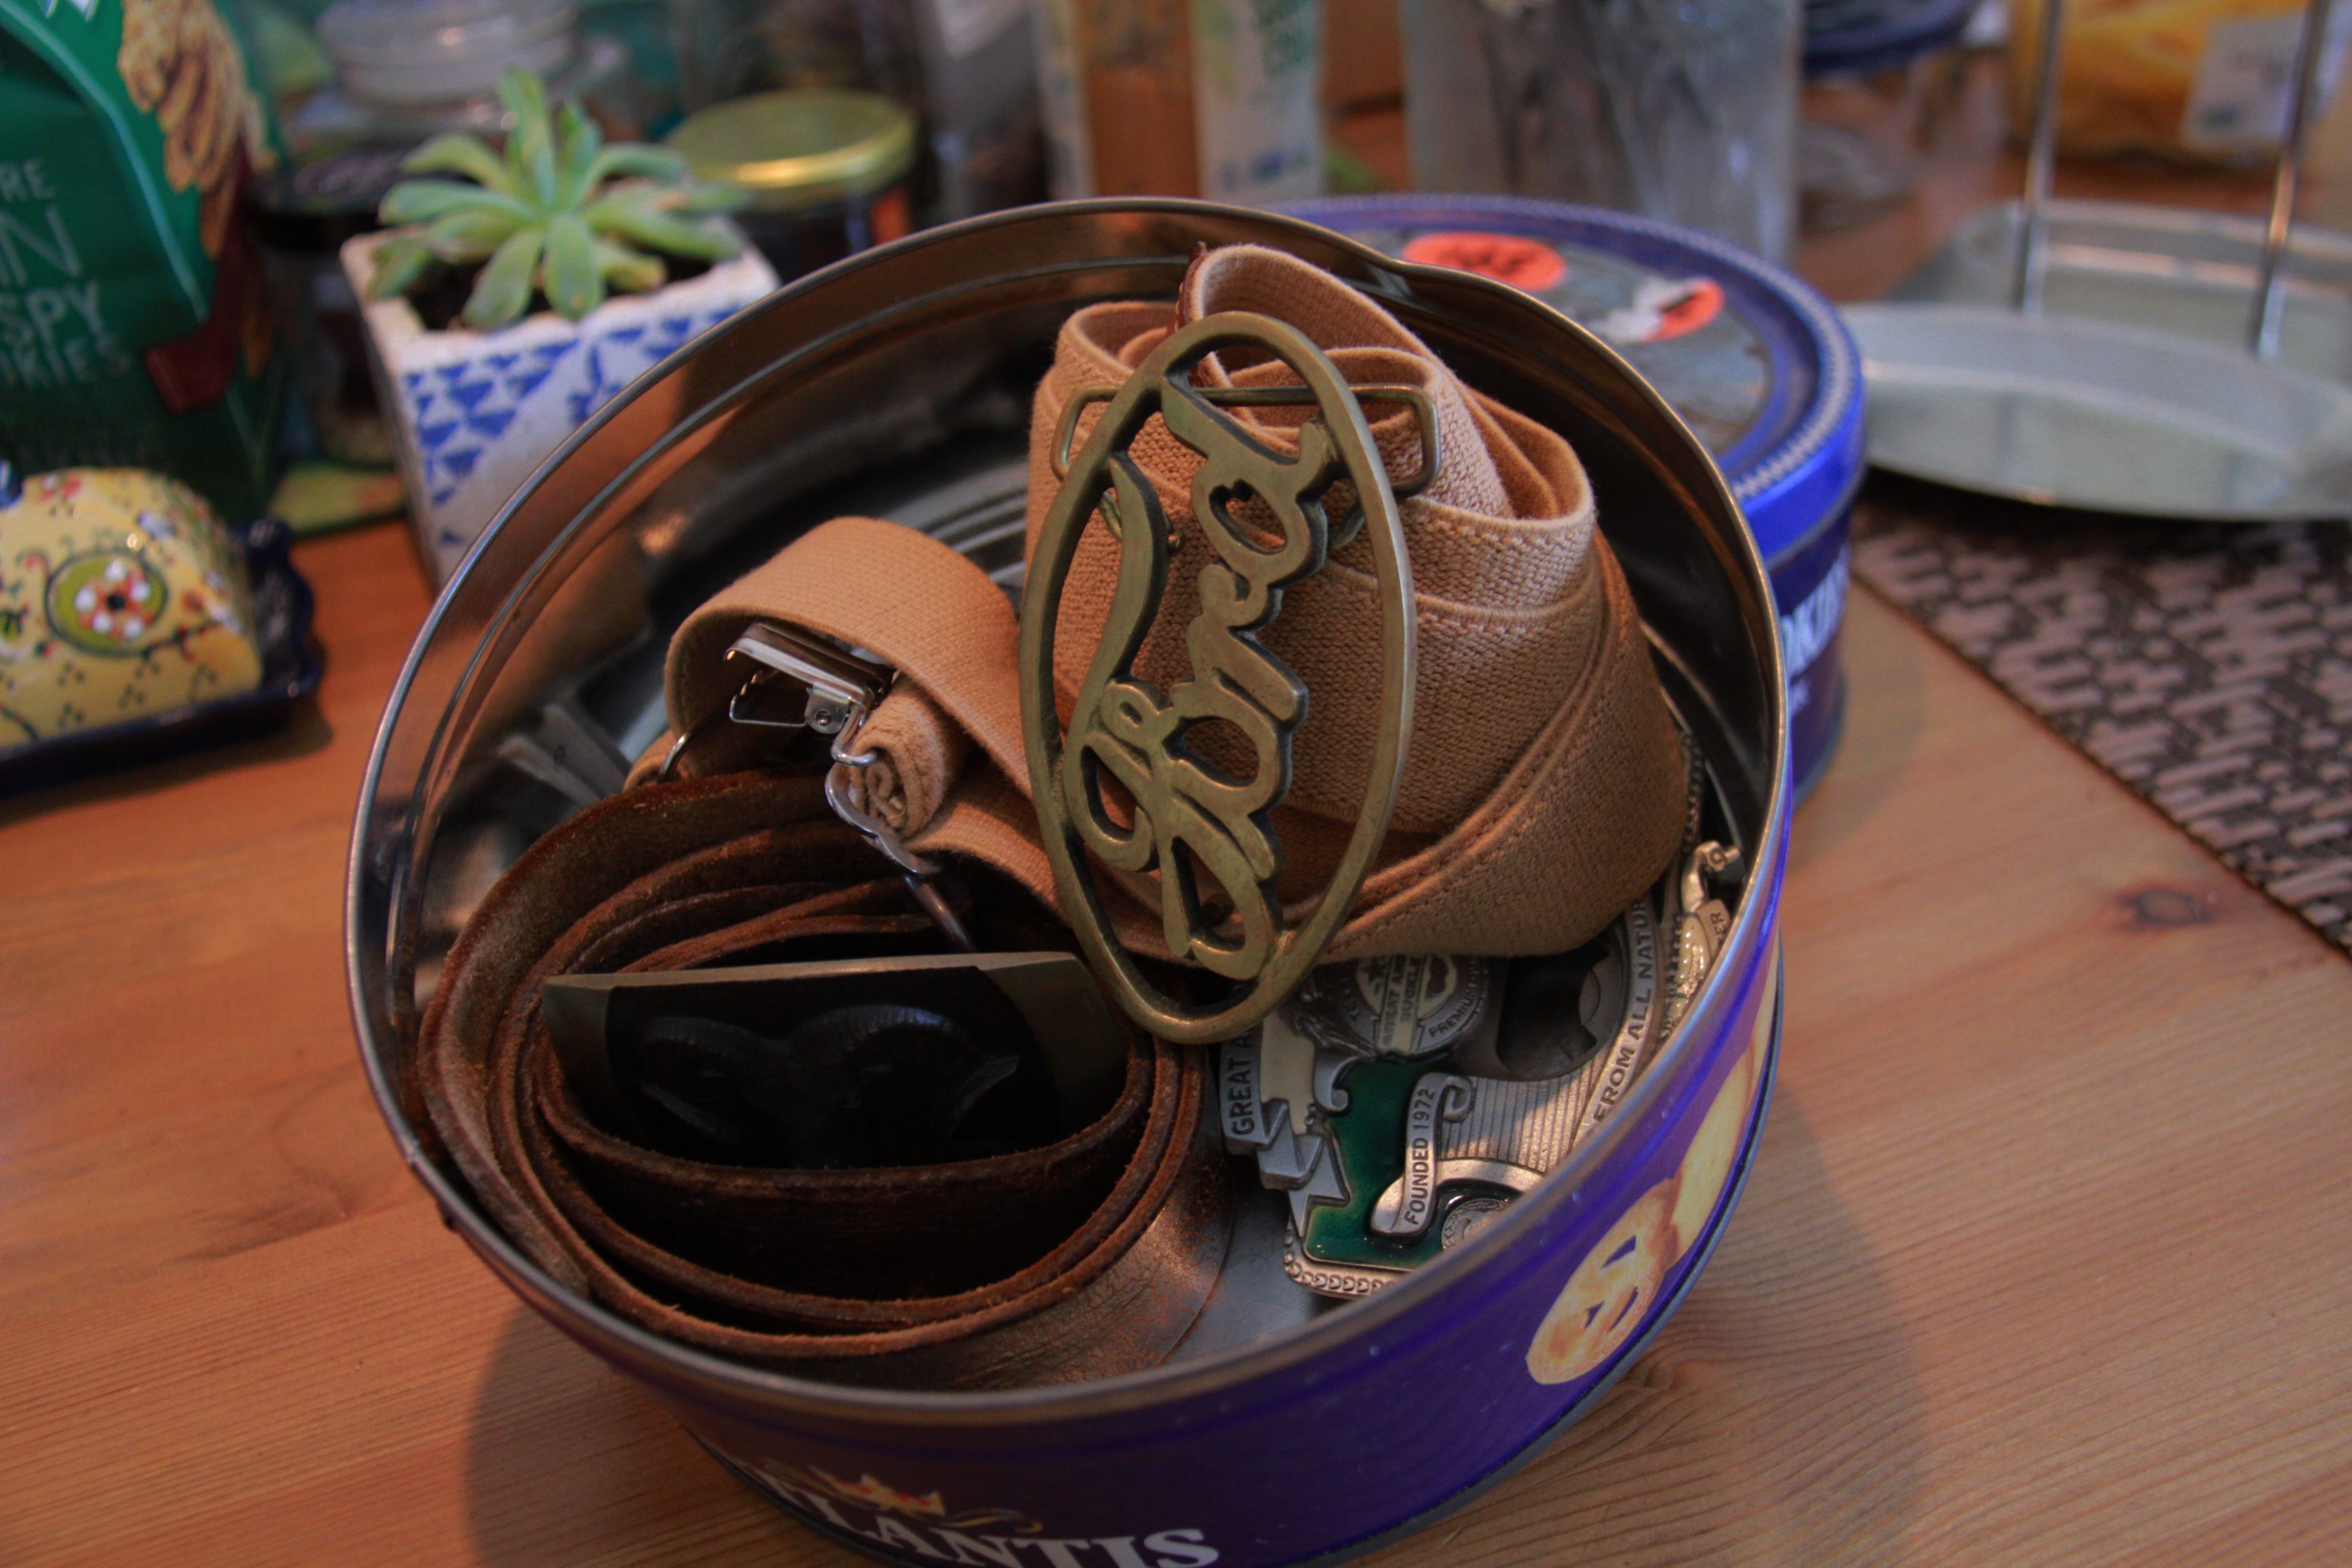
476	413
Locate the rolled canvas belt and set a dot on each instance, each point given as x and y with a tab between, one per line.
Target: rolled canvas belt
1543	785
1542	791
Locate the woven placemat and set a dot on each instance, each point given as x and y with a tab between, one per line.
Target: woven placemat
2208	668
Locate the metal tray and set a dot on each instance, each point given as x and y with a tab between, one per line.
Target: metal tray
2186	272
2099	415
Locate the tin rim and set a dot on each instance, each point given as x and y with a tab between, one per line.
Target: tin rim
717	1380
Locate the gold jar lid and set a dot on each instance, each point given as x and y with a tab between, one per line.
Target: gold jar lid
799	147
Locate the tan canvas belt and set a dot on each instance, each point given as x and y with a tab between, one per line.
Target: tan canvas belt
1543	786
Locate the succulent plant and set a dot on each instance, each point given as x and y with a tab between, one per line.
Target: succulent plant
559	213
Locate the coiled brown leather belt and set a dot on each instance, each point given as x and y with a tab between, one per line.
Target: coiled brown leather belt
1088	1257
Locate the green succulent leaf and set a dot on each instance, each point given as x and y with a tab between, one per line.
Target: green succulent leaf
470	236
399	262
557	211
704	196
635	216
503	291
422	201
458	152
627	158
524	95
530	144
577	142
569	277
630	271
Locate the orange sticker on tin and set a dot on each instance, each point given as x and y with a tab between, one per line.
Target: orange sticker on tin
1661	308
1523	263
889	217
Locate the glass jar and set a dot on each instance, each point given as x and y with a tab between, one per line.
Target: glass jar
1683	109
962	66
407	69
1183	98
302	212
826	173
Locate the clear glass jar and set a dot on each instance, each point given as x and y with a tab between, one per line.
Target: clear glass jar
1683	110
1183	98
406	69
963	67
403	70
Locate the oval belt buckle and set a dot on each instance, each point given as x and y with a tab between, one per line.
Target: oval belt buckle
1179	817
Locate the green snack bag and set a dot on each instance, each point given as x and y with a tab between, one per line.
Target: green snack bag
134	325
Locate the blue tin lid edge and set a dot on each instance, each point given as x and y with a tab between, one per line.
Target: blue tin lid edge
1782	499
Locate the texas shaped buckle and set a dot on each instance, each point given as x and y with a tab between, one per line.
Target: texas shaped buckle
1175	813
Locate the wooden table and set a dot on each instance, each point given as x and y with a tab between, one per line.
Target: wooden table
2047	1258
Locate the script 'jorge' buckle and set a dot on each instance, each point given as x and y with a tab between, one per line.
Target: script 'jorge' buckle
1123	786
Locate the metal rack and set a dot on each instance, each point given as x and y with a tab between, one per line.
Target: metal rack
2155	396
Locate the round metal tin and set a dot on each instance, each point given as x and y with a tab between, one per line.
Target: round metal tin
898	383
1754	359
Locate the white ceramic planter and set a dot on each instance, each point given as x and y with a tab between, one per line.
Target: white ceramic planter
475	413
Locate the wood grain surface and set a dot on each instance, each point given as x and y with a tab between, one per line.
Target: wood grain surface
2047	1256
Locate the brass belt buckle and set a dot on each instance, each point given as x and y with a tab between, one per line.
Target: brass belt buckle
1208	836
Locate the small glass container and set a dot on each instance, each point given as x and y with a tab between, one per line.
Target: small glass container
302	212
407	69
1683	109
965	68
826	173
1211	97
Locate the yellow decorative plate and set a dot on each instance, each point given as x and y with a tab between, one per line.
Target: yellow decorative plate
132	622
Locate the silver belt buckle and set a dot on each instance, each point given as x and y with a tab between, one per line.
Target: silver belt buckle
840	690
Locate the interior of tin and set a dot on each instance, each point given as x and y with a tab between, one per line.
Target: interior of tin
899	387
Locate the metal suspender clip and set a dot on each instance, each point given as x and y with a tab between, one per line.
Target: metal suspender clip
840	690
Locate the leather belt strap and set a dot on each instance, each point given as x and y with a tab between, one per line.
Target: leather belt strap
1543	788
1085	1258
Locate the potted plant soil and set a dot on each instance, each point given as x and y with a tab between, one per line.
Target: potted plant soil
509	303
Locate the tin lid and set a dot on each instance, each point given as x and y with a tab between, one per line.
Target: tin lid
800	148
1757	363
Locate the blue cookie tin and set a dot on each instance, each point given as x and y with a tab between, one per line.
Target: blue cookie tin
1283	1429
1756	361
